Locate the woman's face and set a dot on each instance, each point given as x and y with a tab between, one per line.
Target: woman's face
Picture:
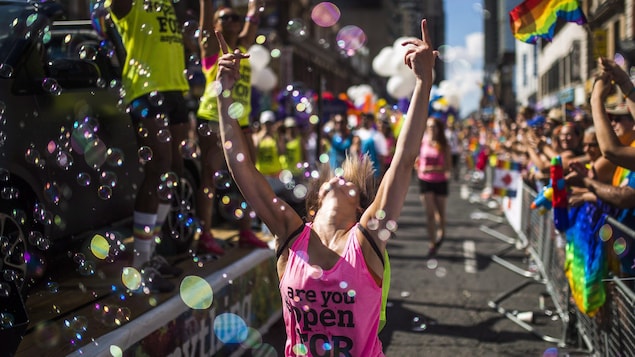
340	189
431	126
569	139
622	124
227	21
591	147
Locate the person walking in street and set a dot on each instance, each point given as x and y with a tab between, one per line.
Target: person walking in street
238	35
372	143
333	264
433	170
154	85
340	140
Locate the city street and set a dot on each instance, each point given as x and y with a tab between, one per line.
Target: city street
439	307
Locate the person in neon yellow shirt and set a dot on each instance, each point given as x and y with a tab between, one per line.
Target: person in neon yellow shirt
294	156
154	83
239	35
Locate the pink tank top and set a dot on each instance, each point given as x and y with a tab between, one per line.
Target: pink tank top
430	155
330	312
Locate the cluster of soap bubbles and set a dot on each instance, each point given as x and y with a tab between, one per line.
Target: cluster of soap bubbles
620	244
349	39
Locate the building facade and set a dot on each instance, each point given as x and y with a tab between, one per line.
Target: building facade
561	73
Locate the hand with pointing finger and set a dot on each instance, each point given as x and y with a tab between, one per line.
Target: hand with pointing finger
419	56
228	64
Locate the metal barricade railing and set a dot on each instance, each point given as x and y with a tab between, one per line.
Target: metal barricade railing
536	242
612	331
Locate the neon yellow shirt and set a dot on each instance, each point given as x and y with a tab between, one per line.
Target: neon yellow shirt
155	59
267	157
208	107
293	156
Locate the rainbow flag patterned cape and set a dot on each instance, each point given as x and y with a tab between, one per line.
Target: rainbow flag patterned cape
534	19
585	259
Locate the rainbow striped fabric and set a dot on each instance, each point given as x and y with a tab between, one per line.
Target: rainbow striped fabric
534	19
506	176
585	259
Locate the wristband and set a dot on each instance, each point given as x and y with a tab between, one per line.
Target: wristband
252	19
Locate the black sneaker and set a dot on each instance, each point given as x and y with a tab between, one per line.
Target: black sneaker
164	268
153	281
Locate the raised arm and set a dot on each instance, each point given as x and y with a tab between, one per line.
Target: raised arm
207	40
610	144
279	217
621	79
393	188
247	36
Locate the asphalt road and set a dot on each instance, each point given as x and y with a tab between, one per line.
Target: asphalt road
439	307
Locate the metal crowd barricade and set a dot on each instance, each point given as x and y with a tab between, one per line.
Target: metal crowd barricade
534	238
612	331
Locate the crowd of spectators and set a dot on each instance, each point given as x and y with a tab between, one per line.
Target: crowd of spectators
596	143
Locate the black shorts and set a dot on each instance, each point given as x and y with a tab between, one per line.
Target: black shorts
171	104
439	188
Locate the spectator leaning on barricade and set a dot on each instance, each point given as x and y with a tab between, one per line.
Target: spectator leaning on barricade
617	198
615	145
567	145
599	167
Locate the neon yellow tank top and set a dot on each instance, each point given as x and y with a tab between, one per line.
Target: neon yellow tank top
267	157
208	107
155	60
293	156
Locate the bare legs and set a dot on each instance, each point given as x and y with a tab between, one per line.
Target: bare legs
212	161
435	206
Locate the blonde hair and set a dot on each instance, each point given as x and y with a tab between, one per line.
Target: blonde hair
355	169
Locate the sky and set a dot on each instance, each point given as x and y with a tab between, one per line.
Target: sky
464	56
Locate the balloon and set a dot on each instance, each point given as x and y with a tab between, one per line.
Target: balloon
381	62
259	57
358	94
264	80
400	86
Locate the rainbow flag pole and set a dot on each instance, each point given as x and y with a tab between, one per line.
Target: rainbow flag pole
534	19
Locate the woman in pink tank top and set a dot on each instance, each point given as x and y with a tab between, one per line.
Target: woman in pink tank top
433	170
331	269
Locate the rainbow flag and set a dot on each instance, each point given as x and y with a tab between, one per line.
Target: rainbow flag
506	177
537	18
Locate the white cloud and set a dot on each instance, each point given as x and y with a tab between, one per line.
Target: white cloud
464	73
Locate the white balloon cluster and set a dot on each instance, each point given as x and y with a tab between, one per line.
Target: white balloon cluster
449	91
389	63
262	77
358	94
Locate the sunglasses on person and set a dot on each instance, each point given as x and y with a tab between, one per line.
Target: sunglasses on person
591	145
229	18
617	118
